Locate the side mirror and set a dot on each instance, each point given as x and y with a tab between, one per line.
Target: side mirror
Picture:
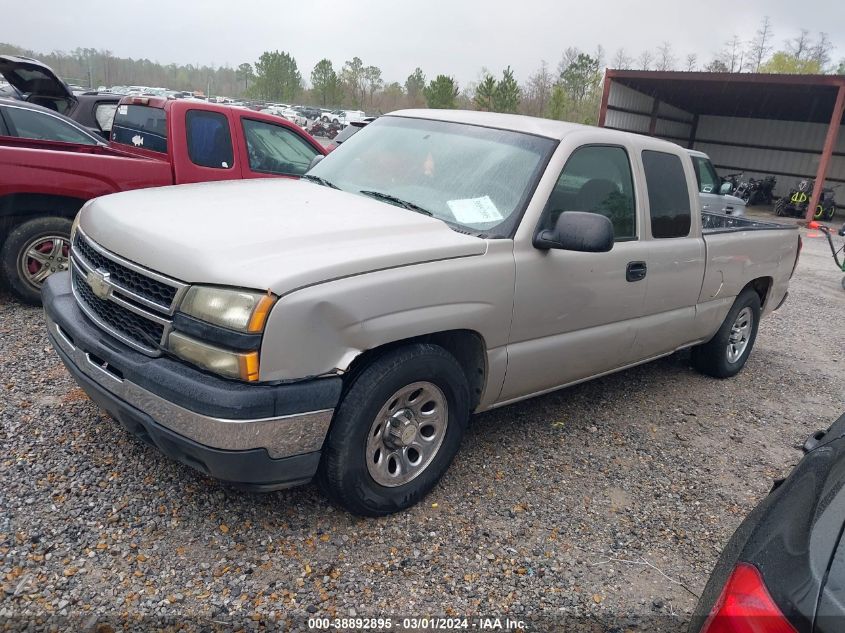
315	161
577	231
725	188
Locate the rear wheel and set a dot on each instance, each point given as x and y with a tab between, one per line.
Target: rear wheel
395	431
32	252
725	354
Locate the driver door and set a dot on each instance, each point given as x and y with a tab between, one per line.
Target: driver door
271	151
575	314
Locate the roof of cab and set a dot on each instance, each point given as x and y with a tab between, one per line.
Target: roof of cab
528	125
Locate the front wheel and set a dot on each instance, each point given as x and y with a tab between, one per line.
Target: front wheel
32	252
725	354
396	430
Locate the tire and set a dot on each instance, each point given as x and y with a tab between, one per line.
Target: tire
780	205
48	238
715	358
355	468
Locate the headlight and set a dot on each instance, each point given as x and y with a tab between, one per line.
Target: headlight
234	309
239	365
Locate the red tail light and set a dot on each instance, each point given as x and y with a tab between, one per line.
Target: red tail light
745	606
813	225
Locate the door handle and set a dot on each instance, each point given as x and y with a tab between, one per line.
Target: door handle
635	271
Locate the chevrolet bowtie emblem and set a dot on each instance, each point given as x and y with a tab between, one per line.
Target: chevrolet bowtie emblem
99	283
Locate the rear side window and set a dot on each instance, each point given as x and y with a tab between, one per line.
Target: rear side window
708	180
209	139
597	178
140	126
668	196
274	149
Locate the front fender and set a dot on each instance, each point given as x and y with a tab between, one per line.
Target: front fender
321	329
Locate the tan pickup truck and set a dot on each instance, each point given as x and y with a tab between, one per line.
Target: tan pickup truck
439	263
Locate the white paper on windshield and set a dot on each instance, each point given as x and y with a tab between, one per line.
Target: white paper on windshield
475	210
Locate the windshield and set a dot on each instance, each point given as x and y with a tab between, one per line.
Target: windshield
474	177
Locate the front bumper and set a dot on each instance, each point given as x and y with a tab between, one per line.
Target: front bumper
262	436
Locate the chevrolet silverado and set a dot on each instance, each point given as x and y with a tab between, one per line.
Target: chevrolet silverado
344	326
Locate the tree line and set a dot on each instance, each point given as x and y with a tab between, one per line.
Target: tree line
570	91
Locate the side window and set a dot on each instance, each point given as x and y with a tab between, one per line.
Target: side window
104	114
25	123
708	180
668	195
274	149
209	140
597	178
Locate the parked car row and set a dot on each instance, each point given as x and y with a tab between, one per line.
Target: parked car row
51	165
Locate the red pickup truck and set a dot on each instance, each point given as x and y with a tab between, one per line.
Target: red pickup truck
45	178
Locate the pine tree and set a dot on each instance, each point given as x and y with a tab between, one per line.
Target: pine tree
507	93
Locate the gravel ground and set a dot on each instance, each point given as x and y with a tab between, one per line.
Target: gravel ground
605	504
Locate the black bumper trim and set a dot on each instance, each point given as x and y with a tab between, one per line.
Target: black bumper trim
252	469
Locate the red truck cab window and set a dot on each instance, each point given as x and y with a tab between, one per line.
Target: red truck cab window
140	126
209	139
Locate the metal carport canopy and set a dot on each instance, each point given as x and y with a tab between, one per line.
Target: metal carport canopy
804	98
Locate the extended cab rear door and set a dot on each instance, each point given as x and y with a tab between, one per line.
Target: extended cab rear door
202	139
676	252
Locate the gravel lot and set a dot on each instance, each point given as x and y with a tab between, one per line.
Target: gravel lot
606	504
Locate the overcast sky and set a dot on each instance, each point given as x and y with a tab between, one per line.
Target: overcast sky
456	37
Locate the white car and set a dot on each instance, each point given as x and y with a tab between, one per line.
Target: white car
709	187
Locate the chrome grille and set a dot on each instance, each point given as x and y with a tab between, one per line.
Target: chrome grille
144	333
156	292
128	301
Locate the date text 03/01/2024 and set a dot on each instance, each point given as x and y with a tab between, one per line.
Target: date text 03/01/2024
416	623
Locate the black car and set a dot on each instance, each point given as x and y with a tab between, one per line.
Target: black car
349	131
308	112
36	83
783	570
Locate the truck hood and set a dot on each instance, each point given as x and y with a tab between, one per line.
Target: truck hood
275	234
33	78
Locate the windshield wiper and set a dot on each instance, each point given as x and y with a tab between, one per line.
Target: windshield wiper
320	181
398	201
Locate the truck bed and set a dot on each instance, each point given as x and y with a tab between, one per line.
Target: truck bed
720	223
75	171
739	250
